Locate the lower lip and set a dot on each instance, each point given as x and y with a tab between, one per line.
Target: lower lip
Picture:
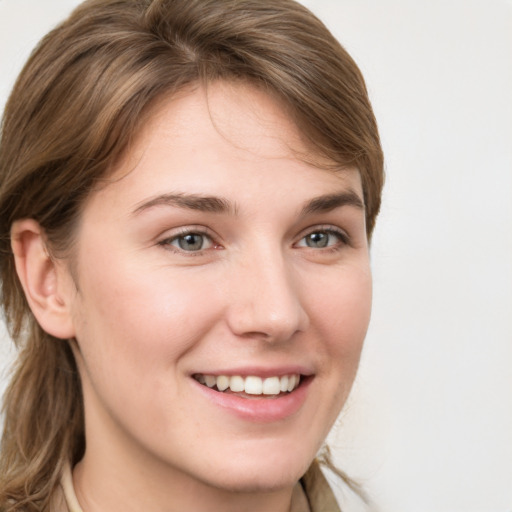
261	409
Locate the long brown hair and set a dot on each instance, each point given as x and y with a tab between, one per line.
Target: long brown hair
81	98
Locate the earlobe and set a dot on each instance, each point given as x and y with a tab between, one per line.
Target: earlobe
44	280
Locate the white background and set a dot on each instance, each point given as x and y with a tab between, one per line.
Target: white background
429	425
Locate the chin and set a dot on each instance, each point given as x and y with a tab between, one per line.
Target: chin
266	473
264	481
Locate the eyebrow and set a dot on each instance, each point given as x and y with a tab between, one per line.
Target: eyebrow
197	202
214	204
330	202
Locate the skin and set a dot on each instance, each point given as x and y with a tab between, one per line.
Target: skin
147	314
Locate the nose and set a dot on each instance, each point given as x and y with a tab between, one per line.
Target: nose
265	299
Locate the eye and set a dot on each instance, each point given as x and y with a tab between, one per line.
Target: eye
323	238
190	241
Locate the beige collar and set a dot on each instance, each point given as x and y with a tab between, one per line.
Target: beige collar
317	490
68	489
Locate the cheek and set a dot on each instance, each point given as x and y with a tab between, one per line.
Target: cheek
341	315
135	331
342	310
133	322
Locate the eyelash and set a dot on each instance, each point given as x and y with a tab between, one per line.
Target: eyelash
167	243
342	237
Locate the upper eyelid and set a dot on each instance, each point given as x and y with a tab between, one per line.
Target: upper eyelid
168	236
323	227
186	230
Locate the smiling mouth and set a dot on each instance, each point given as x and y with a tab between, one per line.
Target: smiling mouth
251	386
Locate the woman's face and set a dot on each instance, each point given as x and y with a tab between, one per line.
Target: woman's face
216	257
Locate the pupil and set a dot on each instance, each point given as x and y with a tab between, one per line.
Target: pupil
318	240
191	242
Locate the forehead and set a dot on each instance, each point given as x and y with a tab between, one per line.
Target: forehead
244	115
241	113
226	138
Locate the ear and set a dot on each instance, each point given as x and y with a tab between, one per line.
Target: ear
46	282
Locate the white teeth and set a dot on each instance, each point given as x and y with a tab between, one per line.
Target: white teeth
272	386
237	384
222	382
251	385
291	382
210	380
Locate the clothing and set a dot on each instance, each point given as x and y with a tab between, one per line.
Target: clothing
317	492
311	494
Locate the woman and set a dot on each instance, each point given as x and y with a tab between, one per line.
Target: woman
188	192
